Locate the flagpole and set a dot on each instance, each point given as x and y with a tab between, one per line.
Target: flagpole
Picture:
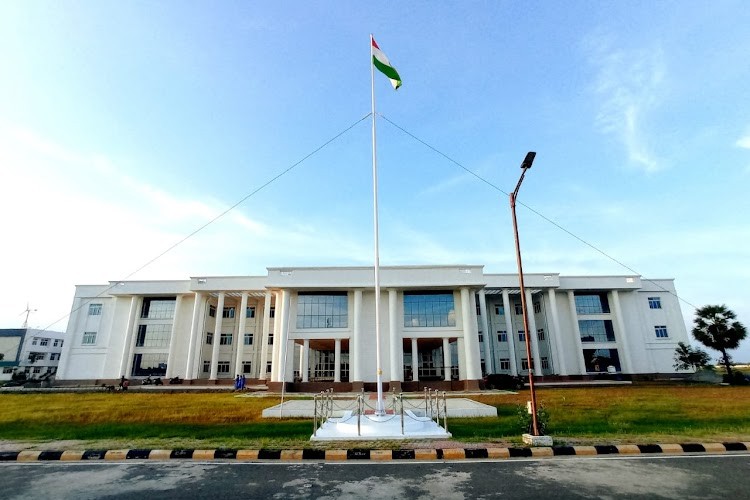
380	408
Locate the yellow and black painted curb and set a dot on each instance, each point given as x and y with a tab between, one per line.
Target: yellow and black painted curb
427	454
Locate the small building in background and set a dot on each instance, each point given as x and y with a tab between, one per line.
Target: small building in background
27	350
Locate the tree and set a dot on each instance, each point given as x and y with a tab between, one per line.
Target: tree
717	327
689	358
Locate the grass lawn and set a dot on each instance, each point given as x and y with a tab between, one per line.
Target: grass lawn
592	415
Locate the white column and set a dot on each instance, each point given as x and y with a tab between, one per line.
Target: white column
510	332
576	332
554	335
240	340
414	360
276	348
446	359
621	336
394	337
264	335
305	365
489	358
173	338
217	337
355	343
337	360
284	349
198	305
471	340
533	336
75	314
129	345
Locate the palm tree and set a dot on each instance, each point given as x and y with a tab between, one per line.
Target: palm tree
716	327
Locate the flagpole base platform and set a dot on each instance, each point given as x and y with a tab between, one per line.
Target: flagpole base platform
375	427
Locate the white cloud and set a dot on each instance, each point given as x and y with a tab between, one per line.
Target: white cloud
743	142
628	86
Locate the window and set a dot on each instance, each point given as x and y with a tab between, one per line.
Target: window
206	367
504	363
502	336
479	308
425	309
37	369
61	343
545	363
247	367
158	308
654	302
223	366
54	356
499	310
518	307
95	309
56	342
228	313
35	341
153	336
225	339
481	338
537	307
596	330
35	356
44	342
209	338
322	310
7	369
540	334
599	360
212	311
524	364
149	364
248	339
592	303
270	338
89	338
661	332
521	336
250	312
272	313
268	367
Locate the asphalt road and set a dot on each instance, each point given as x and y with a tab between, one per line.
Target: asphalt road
679	477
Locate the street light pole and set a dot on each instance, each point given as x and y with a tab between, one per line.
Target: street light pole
524	306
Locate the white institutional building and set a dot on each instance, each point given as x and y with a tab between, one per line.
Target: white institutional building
313	328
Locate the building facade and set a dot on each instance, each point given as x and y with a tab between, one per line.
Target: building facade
445	326
33	352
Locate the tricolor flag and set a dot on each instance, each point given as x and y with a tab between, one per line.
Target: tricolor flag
384	65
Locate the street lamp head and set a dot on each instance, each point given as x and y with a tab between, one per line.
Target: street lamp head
528	160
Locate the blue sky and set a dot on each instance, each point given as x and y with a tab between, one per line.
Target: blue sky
125	126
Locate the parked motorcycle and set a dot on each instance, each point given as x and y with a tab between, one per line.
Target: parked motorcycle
175	381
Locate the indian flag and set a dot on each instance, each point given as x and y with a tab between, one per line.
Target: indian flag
384	65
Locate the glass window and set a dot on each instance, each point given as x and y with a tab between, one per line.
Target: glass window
524	364
56	342
322	310
481	338
545	363
212	311
209	338
95	309
153	335
424	309
158	308
248	339
596	330
44	342
537	307
37	369
504	363
149	364
592	303
54	356
7	369
521	336
223	366
270	338
499	310
599	360
518	308
540	334
228	313
654	302
206	366
502	336
247	367
35	341
661	332
250	312
225	339
272	312
89	338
